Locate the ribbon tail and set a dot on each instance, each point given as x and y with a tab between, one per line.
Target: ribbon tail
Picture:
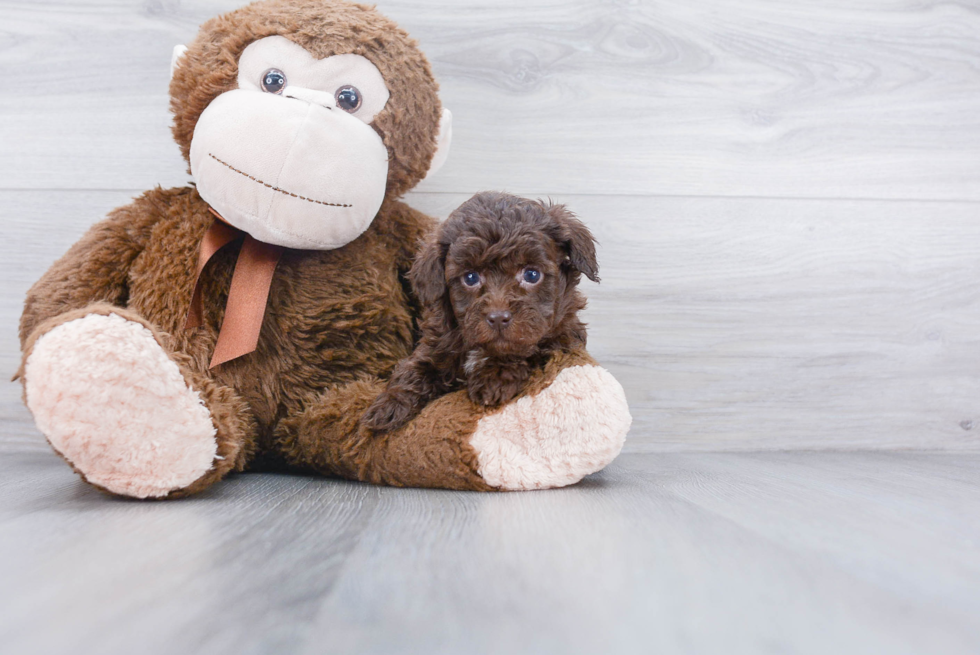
219	235
247	298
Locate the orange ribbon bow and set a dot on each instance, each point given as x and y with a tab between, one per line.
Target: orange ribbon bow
248	295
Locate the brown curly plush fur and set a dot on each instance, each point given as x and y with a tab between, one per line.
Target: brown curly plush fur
485	324
337	321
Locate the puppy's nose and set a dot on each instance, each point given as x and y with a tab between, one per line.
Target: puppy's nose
499	319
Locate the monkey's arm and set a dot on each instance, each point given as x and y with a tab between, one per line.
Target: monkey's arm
413	384
95	269
569	420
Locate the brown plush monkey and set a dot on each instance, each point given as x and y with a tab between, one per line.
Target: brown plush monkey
248	321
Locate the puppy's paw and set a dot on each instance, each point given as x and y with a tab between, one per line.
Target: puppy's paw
491	393
386	413
494	383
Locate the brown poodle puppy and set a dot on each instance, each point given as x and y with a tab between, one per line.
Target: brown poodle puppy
497	282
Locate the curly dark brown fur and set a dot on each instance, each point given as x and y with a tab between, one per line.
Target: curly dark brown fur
497	282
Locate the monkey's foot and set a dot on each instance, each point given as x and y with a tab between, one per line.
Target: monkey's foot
573	427
115	405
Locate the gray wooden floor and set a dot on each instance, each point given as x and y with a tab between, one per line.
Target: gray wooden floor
660	553
787	197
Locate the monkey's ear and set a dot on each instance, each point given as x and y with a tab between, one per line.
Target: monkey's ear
577	241
443	141
428	274
179	51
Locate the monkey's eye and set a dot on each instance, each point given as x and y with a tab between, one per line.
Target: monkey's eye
273	81
531	276
348	98
471	279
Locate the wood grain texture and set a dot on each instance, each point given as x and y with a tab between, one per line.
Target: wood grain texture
865	99
733	324
676	553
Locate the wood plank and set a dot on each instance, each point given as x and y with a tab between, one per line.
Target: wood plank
694	553
739	553
732	323
214	574
861	99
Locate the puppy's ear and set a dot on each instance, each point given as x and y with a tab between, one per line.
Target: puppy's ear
576	239
428	273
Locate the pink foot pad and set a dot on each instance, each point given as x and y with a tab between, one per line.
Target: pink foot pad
111	401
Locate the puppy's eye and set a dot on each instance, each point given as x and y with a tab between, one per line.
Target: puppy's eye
531	276
471	279
273	81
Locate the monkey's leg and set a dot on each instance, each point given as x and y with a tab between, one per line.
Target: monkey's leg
132	416
570	421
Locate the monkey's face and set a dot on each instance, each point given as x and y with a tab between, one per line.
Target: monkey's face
299	117
290	156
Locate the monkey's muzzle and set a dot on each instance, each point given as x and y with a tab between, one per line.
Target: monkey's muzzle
315	177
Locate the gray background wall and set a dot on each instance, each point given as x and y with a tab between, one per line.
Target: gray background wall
786	193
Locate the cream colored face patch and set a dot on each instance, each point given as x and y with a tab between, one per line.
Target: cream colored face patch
327	76
289	156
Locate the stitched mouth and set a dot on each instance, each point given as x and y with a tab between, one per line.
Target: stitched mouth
275	188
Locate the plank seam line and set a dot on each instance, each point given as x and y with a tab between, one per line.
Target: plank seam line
963	201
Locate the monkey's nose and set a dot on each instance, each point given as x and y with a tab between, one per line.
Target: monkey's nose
499	319
325	100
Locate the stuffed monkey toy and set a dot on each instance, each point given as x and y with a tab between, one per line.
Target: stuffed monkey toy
247	321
